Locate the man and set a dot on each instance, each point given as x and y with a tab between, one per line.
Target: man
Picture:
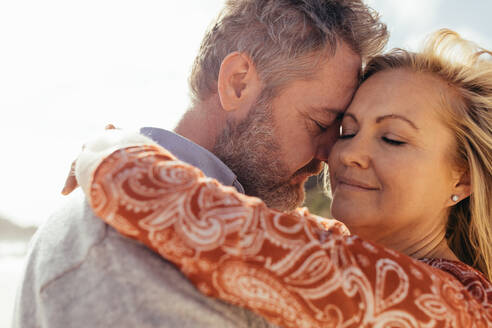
269	82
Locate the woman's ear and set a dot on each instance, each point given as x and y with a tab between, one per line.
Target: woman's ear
462	187
238	82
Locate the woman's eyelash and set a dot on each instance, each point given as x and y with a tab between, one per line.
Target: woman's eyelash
393	142
385	139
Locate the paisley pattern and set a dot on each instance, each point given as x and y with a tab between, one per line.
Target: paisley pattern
296	270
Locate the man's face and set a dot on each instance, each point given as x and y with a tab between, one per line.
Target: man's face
272	150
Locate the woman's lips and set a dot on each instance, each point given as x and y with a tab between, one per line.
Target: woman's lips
355	185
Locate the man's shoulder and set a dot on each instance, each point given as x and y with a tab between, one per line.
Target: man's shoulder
64	239
80	271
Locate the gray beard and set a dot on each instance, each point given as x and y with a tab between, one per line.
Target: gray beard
249	148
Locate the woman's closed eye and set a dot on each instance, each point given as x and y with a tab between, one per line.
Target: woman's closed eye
345	134
393	142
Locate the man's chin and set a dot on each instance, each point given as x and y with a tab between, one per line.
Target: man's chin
301	193
286	198
298	195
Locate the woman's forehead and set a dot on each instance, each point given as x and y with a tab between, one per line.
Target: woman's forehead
398	91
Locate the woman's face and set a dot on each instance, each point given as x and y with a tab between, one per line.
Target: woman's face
390	171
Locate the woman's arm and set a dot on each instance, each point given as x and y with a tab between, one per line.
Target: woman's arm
296	270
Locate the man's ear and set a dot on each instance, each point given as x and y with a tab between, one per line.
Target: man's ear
238	82
462	187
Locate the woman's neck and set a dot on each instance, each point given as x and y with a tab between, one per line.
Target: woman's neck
441	250
431	244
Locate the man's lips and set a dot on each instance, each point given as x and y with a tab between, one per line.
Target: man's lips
313	168
301	178
354	184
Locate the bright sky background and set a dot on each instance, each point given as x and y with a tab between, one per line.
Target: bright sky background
67	68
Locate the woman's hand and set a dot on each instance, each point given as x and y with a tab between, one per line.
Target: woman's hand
96	150
71	182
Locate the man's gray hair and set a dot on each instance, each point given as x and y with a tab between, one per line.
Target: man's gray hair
285	39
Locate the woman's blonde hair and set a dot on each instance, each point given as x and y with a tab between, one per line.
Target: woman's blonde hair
467	111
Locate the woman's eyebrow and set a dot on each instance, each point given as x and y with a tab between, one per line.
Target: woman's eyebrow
398	117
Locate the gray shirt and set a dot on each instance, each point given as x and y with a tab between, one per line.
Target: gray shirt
82	273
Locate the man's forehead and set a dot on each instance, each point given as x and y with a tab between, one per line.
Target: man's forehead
337	97
331	88
340	75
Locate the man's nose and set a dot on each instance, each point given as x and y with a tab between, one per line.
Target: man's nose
322	153
326	142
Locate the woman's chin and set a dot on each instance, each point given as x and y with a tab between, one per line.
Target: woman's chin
349	214
341	207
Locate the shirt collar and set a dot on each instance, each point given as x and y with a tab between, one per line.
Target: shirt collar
194	154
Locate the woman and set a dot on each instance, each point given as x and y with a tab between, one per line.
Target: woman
411	179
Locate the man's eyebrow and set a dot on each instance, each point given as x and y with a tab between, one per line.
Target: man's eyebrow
396	116
337	111
324	110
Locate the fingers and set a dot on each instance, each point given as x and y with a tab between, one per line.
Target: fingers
71	182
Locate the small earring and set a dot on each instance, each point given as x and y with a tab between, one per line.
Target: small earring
455	198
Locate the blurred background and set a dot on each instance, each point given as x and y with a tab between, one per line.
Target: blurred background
68	68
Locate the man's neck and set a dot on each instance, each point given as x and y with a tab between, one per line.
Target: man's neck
202	123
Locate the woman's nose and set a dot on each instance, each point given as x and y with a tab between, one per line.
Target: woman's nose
355	152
